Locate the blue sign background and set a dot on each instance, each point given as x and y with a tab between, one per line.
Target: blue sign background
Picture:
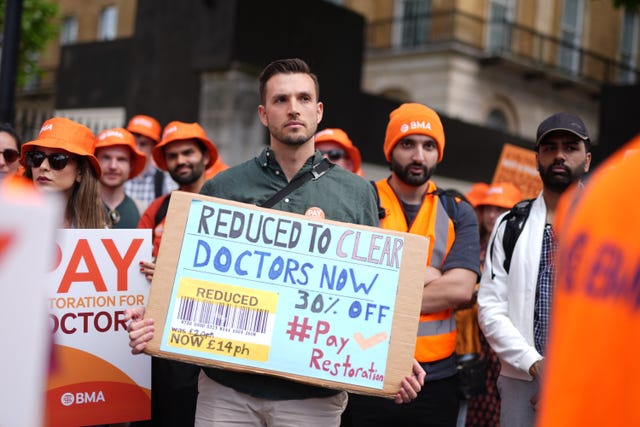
331	289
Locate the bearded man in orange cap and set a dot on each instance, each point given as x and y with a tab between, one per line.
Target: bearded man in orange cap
413	146
186	153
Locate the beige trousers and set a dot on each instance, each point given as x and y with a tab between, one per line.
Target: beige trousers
220	406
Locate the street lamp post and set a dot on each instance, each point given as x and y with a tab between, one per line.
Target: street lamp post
9	61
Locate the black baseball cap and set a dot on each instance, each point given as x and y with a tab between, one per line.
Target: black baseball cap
562	121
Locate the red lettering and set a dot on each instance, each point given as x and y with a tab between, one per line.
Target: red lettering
86	321
63	323
120	322
72	275
108	321
122	264
315	356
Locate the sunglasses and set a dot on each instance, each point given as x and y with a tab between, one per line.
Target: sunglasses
57	161
333	155
9	155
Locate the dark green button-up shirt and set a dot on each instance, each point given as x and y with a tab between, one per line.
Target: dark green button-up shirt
342	195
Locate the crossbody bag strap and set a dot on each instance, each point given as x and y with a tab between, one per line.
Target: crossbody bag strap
316	172
158	183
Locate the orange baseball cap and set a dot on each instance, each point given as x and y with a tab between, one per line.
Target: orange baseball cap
503	195
178	131
477	192
120	136
60	132
145	125
341	138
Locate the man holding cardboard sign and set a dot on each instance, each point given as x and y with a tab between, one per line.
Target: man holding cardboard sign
291	111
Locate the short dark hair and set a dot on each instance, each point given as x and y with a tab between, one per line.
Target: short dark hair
6	127
285	66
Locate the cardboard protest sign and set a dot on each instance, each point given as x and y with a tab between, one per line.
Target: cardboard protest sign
517	165
27	230
96	277
259	290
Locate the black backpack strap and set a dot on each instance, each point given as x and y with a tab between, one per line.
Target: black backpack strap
515	220
316	172
381	211
158	182
449	200
162	210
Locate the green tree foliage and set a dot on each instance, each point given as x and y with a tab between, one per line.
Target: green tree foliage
39	26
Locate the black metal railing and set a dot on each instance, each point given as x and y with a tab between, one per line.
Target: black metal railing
497	38
28	122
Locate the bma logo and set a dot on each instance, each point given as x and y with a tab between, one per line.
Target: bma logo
107	133
81	398
415	125
48	126
67	399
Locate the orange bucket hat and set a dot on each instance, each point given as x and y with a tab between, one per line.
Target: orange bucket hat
341	138
178	131
477	192
145	125
413	119
60	132
503	195
120	136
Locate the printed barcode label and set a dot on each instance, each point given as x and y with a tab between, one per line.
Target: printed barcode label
222	316
222	321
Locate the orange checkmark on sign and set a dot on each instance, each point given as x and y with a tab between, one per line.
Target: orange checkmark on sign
371	341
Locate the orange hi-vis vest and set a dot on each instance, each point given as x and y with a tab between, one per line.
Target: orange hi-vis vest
436	331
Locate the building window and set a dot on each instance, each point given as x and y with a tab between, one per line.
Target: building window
69	30
628	47
413	24
108	23
570	35
500	22
497	120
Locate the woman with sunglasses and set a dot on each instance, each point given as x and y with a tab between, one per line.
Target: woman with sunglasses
9	151
61	160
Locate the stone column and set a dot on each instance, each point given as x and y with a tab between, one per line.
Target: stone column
229	114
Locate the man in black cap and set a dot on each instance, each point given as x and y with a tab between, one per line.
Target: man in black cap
516	288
